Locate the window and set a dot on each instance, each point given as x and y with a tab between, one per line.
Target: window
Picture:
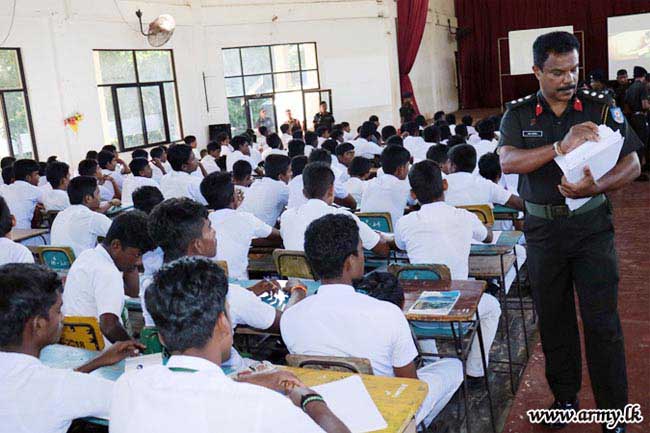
138	97
16	131
263	82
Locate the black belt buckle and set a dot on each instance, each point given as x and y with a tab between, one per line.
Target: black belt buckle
560	211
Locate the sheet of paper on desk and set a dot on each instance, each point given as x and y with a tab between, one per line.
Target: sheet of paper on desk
495	239
139	362
435	303
601	156
350	401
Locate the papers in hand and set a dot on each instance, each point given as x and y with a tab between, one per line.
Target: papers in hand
600	156
435	303
350	401
140	362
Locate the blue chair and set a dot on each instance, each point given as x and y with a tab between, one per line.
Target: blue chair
379	221
58	259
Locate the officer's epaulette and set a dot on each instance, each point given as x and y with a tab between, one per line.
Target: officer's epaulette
596	96
521	101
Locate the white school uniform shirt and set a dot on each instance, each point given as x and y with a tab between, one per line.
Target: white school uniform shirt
226	150
22	197
266	198
469	189
42	181
56	199
156	173
387	194
235	156
210	164
417	147
13	252
483	147
180	184
115	174
78	227
337	321
308	149
440	234
131	183
294	222
321	140
243	189
158	399
297	197
348	136
471	130
342	170
38	398
106	191
473	139
355	187
271	151
365	148
235	230
256	157
286	138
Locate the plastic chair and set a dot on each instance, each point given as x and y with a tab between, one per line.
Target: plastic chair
336	363
57	259
433	272
82	332
149	337
292	264
223	265
483	211
380	221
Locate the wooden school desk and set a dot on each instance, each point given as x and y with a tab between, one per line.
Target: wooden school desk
19	235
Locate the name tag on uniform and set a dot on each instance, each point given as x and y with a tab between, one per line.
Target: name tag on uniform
532	134
617	114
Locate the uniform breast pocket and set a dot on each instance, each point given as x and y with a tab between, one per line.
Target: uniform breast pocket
533	142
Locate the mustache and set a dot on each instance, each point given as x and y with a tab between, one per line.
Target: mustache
572	87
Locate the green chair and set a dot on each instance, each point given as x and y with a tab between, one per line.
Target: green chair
292	264
149	337
379	221
58	259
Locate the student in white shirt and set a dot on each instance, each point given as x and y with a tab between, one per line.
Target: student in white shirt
108	163
363	146
274	146
7	178
267	197
179	182
488	142
311	142
191	392
209	161
390	192
141	176
241	151
121	166
286	137
236	230
90	167
190	140
296	147
323	133
439	154
58	176
319	190
10	251
223	139
337	321
414	143
468	121
451	231
359	172
159	164
341	159
23	195
34	397
242	176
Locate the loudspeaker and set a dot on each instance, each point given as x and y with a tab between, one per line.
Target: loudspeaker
214	130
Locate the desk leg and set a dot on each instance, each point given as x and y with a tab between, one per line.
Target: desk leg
458	339
521	304
485	370
507	323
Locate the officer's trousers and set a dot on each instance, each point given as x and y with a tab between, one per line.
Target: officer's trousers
578	252
639	123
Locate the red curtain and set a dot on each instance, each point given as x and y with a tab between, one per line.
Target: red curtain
411	20
489	20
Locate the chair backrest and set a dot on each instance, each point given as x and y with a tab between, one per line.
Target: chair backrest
433	272
292	264
55	258
82	332
223	265
483	211
149	337
379	221
336	363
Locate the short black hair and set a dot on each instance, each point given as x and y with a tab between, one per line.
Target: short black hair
185	300
91	154
467	120
438	115
383	286
330	145
345	124
56	172
274	141
146	198
322	130
241	169
554	42
239	141
178	155
51	158
130	228
296	133
343	148
87	167
373	118
275	165
359	166
485	129
5	218
189	139
621	72
110	148
296	148
221	137
311	139
425	178
431	134
445	131
489	166
7	161
393	157
461	130
42	168
317	178
395	140
137	165
455	140
24	168
411	127
450	118
336	134
320	155
298	164
218	190
263	130
139	153
8	174
420	120
80	187
174	223
284	128
438	153
212	146
26	291
387	132
157	152
463	156
105	157
329	241
367	129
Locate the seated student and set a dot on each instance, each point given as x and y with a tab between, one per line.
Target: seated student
297	134
242	176
451	121
159	164
337	135
414	143
90	167
451	230
145	198
23	194
439	154
318	179
267	197
190	140
387	132
296	148
209	161
285	136
431	135
92	154
455	140
7	178
236	230
487	142
274	146
142	173
107	162
311	142
241	151
262	134
330	146
341	159
337	321
421	121
347	131
30	319
359	172
445	132
465	188
121	166
100	277
183	394
58	176
489	167
179	182
390	192
468	121
363	146
42	180
323	133
10	251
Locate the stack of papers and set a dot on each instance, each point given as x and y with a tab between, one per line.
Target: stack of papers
435	303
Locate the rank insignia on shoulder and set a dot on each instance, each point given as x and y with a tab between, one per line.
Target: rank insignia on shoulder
617	114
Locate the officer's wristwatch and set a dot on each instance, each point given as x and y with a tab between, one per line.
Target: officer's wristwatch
558	149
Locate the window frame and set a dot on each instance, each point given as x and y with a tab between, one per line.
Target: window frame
5	116
139	85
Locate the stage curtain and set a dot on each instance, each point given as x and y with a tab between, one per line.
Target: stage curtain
492	19
411	20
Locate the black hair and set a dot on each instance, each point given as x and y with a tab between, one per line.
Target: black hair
431	134
146	198
450	118
311	139
185	300
275	165
322	130
105	157
42	168
420	120
383	286
5	218
8	174
241	169
554	42
395	140
485	129
317	178
26	291
139	153
274	141
425	178
411	127
263	130
344	125
80	187
489	166
212	146
367	129
137	165
91	154
438	115
218	190
330	145
296	133
284	128
373	118
343	148
445	132
7	161
56	172
329	241
621	72
359	166
24	168
130	228
157	152
175	223
387	132
296	148
298	164
455	140
110	148
336	134
221	137
87	167
189	139
461	130
393	157
463	156
240	141
178	155
320	155
438	153
467	120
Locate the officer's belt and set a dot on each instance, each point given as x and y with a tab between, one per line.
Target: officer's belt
551	212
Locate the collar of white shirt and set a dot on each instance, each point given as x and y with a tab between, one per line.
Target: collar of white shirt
13	358
335	290
194	363
175	173
432	207
102	252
